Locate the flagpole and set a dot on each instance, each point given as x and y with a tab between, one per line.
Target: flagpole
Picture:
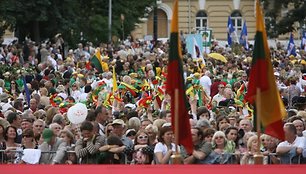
258	157
176	158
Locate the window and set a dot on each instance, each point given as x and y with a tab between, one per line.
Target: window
201	20
237	21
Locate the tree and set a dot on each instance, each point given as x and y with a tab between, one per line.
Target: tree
77	20
286	23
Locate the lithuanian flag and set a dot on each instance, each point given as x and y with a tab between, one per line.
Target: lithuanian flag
261	77
96	61
175	81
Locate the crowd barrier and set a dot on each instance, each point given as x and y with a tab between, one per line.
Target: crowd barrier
9	157
141	169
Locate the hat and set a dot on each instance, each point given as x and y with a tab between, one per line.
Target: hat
133	75
60	88
196	75
276	73
118	121
28	119
3	97
104	57
130	132
6	74
291	57
47	135
219	77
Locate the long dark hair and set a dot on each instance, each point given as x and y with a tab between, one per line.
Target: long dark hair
3	130
6	131
233	128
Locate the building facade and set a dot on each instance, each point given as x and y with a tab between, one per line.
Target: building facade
196	15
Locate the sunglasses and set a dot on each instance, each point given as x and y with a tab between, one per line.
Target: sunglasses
13	83
219	137
27	136
143	137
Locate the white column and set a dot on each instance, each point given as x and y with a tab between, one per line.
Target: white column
236	4
202	4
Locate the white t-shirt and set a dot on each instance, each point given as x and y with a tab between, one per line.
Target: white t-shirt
298	142
217	98
205	82
83	97
160	147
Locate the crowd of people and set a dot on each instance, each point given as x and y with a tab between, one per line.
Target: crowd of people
129	118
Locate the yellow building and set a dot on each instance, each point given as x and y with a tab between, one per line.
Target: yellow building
195	15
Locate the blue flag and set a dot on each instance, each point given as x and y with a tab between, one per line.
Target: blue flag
27	93
303	40
244	37
230	30
291	46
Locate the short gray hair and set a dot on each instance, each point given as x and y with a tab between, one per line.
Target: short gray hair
203	123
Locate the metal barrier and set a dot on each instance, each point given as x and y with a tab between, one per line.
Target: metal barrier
233	158
13	156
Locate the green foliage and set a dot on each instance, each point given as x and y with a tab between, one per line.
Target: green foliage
42	19
298	14
286	23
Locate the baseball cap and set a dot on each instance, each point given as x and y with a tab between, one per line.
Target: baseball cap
47	135
118	121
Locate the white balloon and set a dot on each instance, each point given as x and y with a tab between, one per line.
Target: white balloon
77	114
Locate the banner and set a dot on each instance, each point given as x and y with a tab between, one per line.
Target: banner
206	37
192	41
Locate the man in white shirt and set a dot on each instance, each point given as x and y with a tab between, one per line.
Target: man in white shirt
205	82
218	97
293	145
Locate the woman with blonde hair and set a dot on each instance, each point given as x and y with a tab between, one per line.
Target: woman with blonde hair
67	137
44	99
248	157
223	147
152	132
51	112
159	123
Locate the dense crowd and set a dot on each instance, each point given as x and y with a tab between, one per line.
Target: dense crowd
129	119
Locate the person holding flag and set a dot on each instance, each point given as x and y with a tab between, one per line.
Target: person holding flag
244	37
291	46
230	30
